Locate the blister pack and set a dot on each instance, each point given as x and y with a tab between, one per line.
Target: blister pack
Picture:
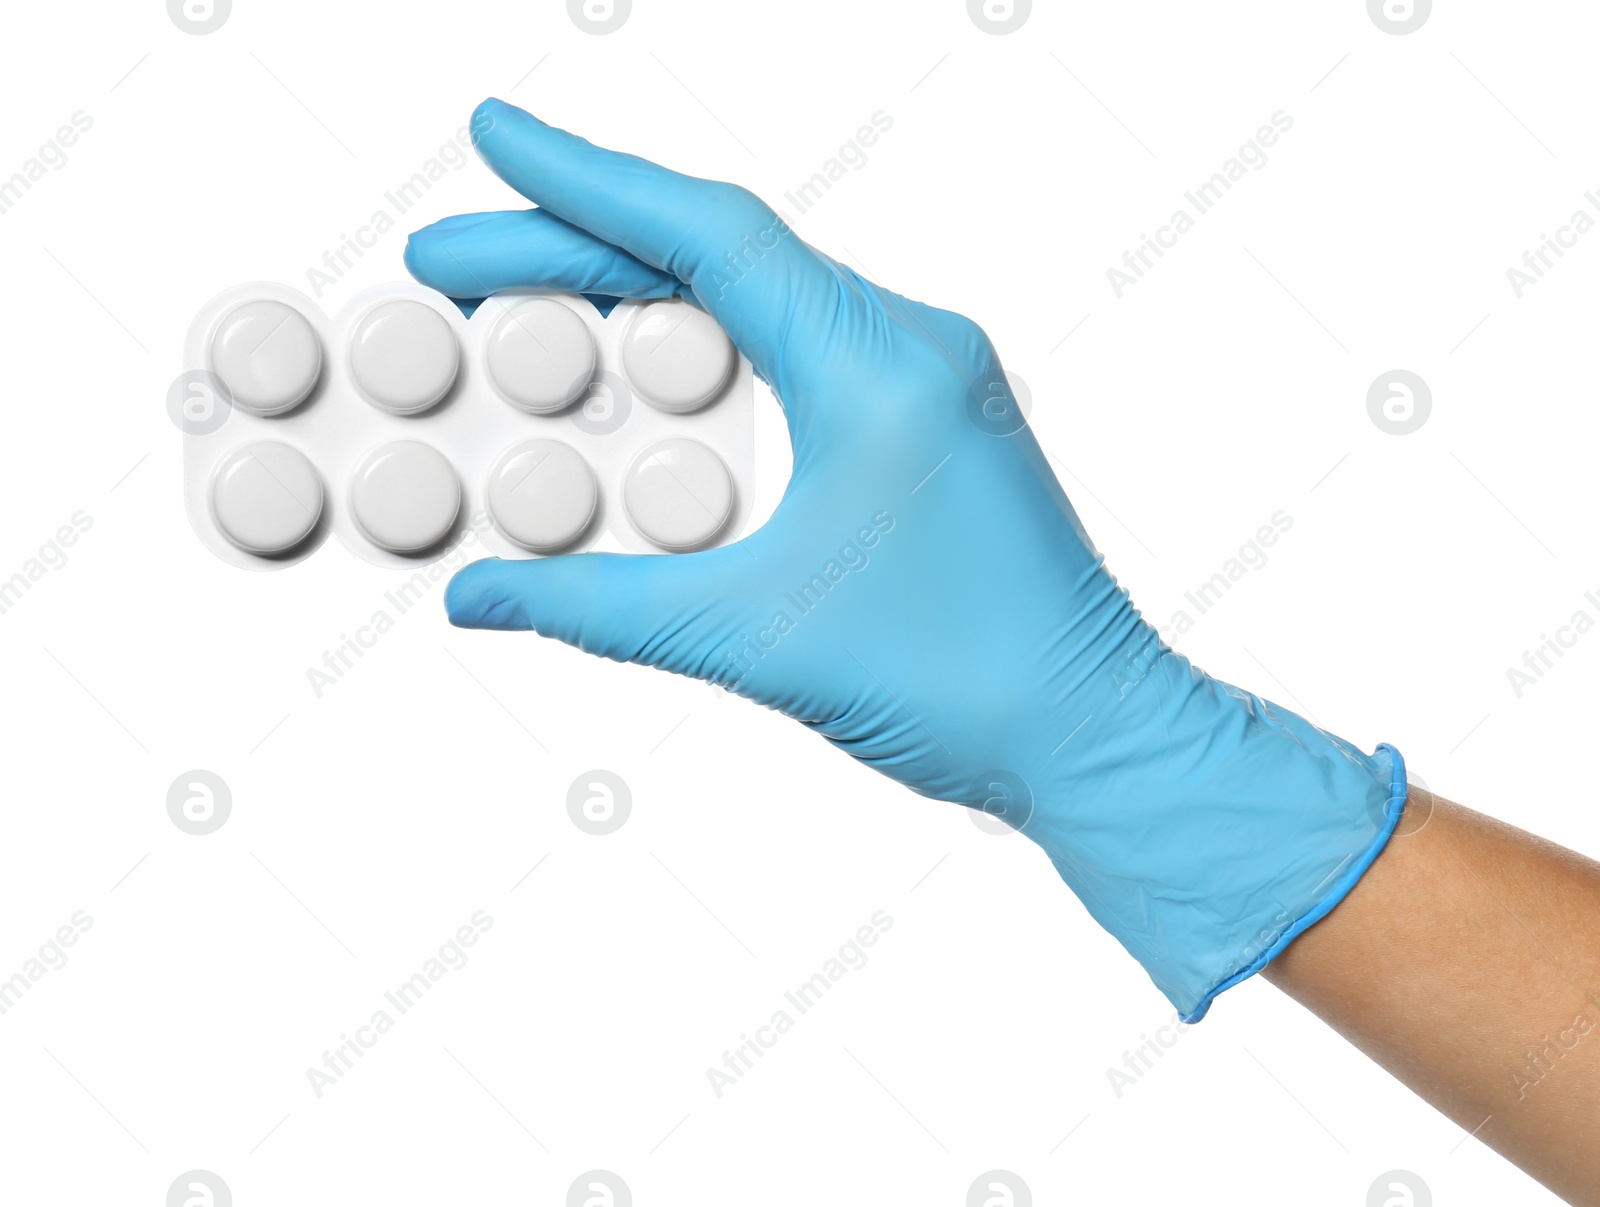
398	424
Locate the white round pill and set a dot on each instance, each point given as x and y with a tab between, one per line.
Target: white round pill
542	494
267	355
676	356
266	497
540	356
404	356
678	494
405	496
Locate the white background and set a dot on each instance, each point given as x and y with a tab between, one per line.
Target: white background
368	824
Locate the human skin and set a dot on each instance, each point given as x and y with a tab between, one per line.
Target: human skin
1466	962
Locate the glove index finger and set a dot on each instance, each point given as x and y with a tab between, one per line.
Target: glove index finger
736	254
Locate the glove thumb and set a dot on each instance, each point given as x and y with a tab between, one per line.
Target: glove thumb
673	611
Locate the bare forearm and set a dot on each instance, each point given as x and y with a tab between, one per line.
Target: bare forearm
1467	963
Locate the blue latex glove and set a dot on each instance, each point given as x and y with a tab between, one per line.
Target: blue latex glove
924	597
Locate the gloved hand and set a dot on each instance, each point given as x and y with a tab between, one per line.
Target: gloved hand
924	596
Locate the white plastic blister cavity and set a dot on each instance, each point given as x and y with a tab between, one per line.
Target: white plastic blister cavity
398	424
